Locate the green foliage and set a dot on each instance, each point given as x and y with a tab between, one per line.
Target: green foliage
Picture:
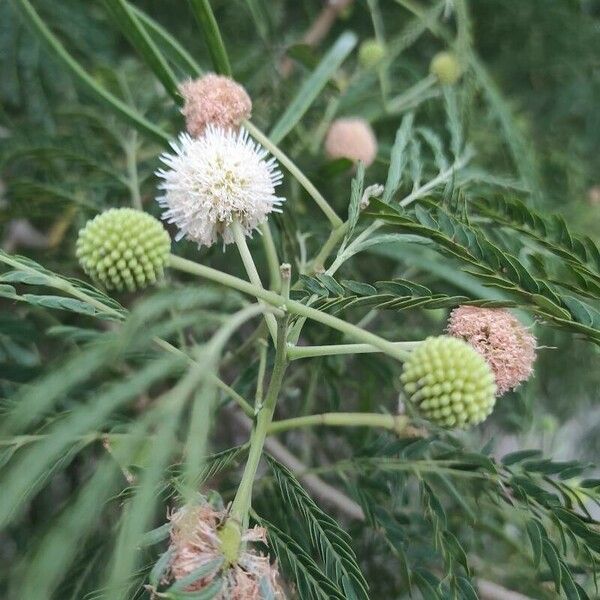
118	408
331	543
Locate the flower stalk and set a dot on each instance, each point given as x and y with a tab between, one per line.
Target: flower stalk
292	306
251	270
396	423
272	258
296	352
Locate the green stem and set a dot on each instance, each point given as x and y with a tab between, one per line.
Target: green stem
408	98
287	162
240	400
397	423
352	248
272	258
335	236
238	514
296	352
262	367
132	171
297	308
441	178
246	256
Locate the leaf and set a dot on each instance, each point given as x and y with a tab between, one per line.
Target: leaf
398	158
311	88
59	302
304	54
467	590
28	474
69	530
357	186
493	265
24	277
313	285
124	16
312	583
424	581
568	585
160	568
357	287
156	535
180	54
330	541
553	562
536	533
206	18
121	109
206	569
331	284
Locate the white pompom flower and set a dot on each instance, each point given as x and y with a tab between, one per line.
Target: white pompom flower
213	180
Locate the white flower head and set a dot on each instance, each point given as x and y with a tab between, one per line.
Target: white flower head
216	179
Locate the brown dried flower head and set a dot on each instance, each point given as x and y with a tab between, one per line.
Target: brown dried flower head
351	138
195	542
214	100
500	338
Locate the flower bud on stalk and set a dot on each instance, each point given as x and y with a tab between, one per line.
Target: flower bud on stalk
446	68
371	53
214	100
351	138
123	248
449	383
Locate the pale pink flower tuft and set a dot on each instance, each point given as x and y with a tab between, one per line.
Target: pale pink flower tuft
214	100
195	542
351	138
500	338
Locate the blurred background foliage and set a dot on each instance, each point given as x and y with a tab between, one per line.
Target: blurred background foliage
534	123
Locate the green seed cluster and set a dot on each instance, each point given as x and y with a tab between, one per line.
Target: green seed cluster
446	68
123	249
449	382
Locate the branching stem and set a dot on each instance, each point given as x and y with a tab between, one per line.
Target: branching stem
294	307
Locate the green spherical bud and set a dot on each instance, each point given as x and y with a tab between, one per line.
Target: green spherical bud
123	248
371	53
446	68
449	383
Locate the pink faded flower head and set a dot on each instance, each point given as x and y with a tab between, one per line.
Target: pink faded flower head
351	138
500	338
195	542
214	100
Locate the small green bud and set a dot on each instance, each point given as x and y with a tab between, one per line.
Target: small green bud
230	537
371	53
446	68
449	383
123	248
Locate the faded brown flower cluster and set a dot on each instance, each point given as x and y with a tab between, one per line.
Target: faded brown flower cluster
195	542
499	337
214	100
